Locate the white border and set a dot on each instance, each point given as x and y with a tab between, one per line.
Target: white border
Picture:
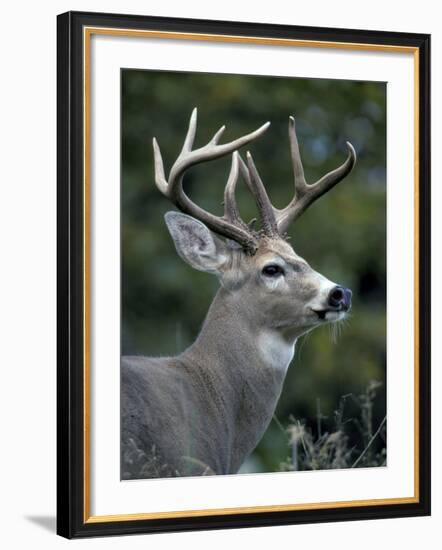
109	495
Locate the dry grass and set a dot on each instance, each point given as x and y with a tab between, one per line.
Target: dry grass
323	450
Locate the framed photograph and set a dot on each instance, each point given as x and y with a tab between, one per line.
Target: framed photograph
243	274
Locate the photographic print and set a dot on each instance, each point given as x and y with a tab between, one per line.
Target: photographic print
243	274
253	339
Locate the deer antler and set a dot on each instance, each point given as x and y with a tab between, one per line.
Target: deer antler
256	187
275	222
306	194
229	225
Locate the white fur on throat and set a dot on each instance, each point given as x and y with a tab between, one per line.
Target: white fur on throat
275	350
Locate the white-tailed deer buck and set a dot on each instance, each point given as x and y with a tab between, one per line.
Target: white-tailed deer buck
205	410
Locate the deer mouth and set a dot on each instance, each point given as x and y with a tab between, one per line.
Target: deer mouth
330	314
321	313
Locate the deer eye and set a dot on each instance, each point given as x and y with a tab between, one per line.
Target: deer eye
273	270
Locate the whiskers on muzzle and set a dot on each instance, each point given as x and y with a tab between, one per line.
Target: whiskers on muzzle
337	327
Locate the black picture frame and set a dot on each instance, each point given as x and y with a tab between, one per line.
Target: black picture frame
71	498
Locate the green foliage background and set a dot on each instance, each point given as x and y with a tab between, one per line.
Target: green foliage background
343	235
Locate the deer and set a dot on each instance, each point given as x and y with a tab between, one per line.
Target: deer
205	410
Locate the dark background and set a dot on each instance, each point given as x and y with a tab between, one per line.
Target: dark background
343	236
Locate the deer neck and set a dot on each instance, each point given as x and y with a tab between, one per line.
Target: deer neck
232	342
246	367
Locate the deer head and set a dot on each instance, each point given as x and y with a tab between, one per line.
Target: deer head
274	288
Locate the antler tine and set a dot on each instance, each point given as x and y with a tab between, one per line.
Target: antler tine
231	211
191	132
256	186
173	188
210	151
298	169
306	194
217	136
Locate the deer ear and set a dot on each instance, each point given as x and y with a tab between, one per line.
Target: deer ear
196	244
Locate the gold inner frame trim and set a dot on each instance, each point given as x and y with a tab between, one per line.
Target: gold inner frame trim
88	32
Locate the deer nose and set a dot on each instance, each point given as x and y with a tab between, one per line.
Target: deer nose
340	297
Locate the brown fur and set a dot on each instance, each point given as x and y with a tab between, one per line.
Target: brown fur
204	411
